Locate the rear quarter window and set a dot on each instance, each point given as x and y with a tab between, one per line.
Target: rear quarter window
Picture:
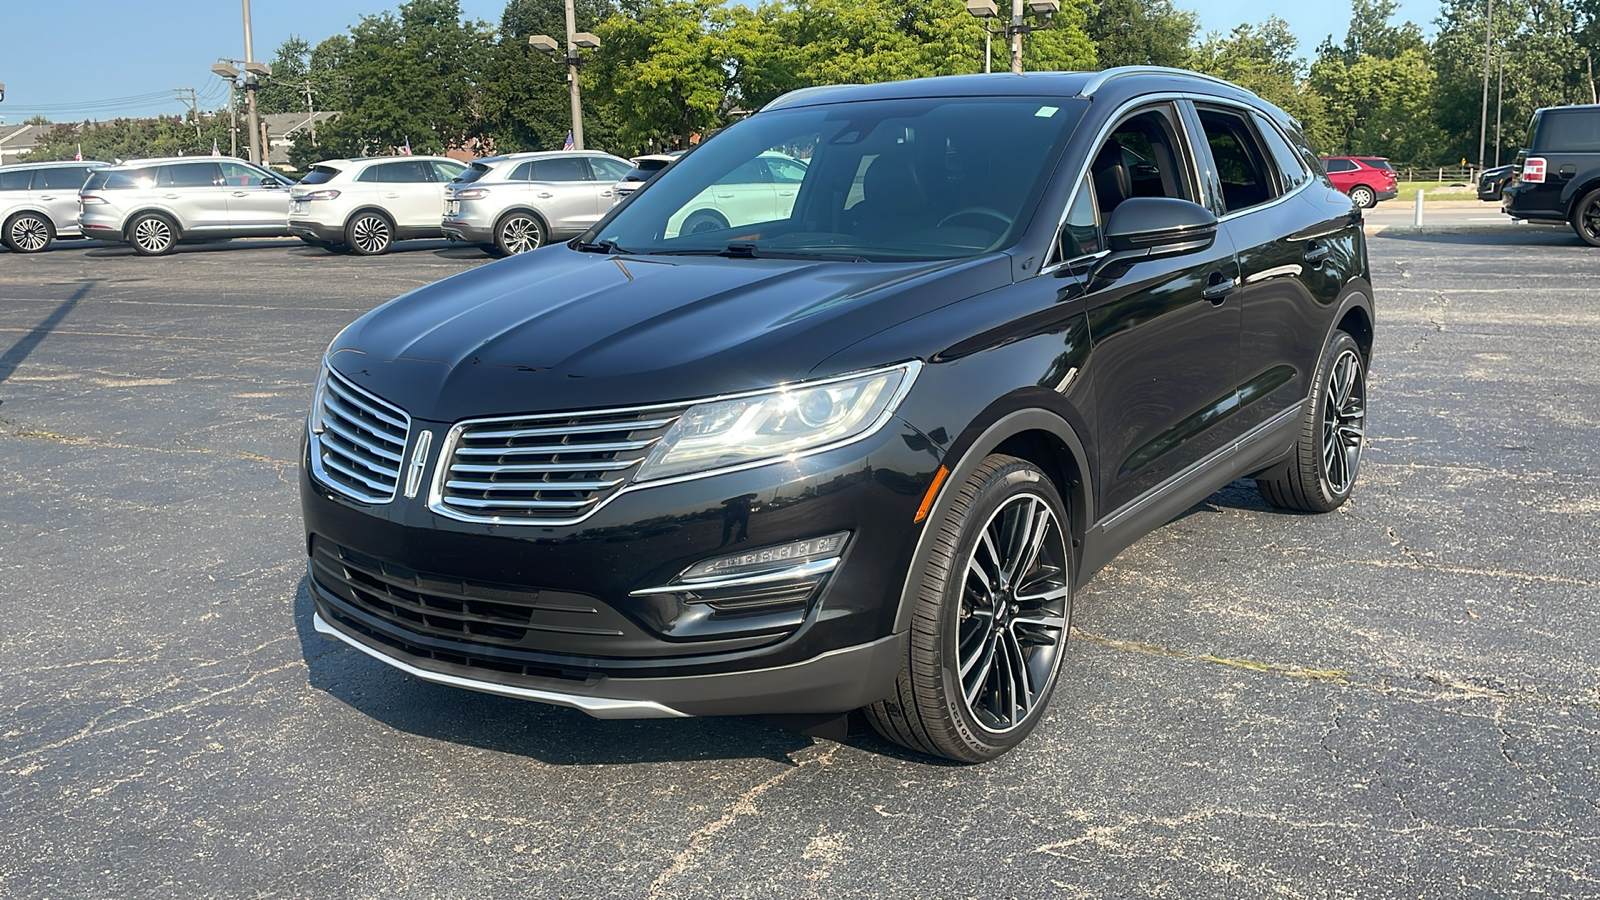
1574	132
319	175
15	180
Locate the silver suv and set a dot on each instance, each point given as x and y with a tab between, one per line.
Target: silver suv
365	205
154	204
513	204
39	203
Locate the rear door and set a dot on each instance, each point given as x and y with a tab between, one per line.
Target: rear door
787	173
563	191
55	190
409	190
194	192
258	201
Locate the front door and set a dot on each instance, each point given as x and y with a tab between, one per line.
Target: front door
257	201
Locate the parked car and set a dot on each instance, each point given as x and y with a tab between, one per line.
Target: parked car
761	190
1557	172
155	204
365	205
39	203
862	453
1367	179
516	203
644	169
1492	182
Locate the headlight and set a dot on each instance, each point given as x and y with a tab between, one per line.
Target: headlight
784	423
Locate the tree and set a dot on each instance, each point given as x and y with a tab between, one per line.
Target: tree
666	66
525	101
281	92
1261	58
1378	88
1141	33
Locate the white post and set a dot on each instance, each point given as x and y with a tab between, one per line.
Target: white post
1416	216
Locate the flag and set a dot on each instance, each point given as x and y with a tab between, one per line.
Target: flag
78	157
406	150
569	145
215	150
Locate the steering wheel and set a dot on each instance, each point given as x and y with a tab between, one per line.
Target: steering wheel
983	211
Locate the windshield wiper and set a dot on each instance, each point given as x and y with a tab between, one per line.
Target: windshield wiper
747	250
601	246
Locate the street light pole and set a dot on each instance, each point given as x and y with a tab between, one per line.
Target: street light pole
1488	35
257	153
1016	37
1499	102
576	40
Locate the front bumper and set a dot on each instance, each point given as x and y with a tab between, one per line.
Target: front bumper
597	637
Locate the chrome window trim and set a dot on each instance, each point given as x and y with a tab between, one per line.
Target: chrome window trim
447	449
1247	108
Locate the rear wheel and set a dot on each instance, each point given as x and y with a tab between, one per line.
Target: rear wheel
989	628
1586	218
1363	196
518	232
703	221
152	234
369	233
1322	472
28	233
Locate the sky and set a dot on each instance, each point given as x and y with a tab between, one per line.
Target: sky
101	59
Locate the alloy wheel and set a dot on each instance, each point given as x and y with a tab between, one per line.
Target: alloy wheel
1012	624
1344	413
153	235
1589	220
370	234
520	234
1363	197
29	234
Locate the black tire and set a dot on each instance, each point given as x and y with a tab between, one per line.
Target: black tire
519	231
703	220
973	613
1322	472
369	233
1363	196
152	234
28	232
1586	218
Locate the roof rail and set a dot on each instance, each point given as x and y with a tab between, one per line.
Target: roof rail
1100	79
799	93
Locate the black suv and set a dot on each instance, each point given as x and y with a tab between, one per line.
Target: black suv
857	448
1556	176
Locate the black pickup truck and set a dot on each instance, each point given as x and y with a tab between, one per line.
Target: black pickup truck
1557	173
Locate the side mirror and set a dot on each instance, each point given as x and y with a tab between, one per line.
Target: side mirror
1144	228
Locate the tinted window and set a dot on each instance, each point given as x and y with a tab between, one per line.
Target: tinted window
1377	164
68	178
1080	236
607	169
1340	165
206	174
1571	131
411	171
319	175
753	172
523	172
1289	165
445	171
473	173
1247	178
1139	159
120	179
562	168
15	179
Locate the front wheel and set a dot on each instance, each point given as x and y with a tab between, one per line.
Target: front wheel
1586	218
28	233
1322	472
1362	196
989	628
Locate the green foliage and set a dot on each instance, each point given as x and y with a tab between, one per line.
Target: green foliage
1142	33
526	105
122	139
665	65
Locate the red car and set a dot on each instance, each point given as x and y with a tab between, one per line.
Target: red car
1367	179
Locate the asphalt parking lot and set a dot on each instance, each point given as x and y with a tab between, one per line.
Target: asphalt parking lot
1399	699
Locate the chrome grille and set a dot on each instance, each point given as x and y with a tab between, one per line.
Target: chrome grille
546	469
359	441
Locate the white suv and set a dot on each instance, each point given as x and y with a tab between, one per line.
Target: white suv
154	204
365	205
39	203
512	204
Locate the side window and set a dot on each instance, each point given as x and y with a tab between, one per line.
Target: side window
369	175
69	178
1289	165
239	175
562	168
1140	158
1572	132
786	171
446	172
130	179
1080	235
1340	165
205	174
523	172
411	171
14	179
1247	177
607	169
752	172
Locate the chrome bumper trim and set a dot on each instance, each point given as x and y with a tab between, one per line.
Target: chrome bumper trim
599	707
793	573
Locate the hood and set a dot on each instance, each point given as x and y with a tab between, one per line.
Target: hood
559	329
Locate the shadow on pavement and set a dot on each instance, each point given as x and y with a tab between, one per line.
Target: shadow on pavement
13	357
1529	236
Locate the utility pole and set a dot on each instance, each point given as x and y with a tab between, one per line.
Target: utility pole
575	40
257	153
224	69
1488	37
193	104
1499	101
311	110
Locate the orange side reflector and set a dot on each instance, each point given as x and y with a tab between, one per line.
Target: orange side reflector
933	491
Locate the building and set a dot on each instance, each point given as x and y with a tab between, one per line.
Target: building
284	130
17	140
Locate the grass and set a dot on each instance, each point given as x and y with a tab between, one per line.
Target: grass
1436	190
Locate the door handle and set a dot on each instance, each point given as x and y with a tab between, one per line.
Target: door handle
723	196
391	195
240	194
1219	288
169	196
605	193
1316	253
47	198
786	193
543	195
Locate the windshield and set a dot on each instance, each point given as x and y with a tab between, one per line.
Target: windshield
933	178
